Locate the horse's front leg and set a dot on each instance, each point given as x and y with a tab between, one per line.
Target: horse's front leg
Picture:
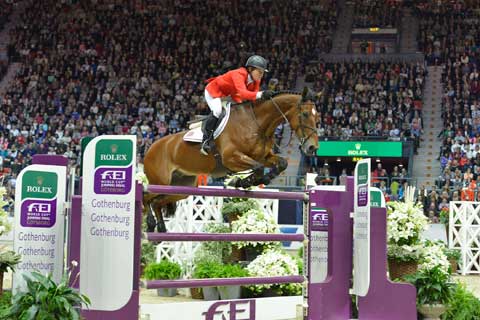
277	165
241	162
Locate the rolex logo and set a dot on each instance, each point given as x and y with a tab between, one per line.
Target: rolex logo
39	180
114	148
358	146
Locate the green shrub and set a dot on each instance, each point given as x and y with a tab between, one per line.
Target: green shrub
45	300
149	250
8	260
432	285
237	206
207	269
163	270
452	254
231	271
463	305
5	302
218	251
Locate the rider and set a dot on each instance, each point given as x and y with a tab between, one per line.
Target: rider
239	84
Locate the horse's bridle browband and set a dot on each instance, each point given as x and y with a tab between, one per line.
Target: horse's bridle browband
302	126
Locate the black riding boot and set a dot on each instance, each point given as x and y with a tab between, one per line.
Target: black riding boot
208	130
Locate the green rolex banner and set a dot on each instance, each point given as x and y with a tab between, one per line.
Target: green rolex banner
39	221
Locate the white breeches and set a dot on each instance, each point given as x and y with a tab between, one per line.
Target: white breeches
215	104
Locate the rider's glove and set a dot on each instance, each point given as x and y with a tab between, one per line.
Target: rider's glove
267	94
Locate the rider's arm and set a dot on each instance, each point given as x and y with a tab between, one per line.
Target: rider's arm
241	88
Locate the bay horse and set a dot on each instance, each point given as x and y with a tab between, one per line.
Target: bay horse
245	144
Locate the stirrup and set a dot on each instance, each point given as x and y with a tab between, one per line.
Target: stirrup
206	147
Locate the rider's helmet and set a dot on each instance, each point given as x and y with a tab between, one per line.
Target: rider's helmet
257	62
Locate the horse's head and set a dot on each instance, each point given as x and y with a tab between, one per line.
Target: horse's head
304	122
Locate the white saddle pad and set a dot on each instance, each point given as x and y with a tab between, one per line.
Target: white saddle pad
195	133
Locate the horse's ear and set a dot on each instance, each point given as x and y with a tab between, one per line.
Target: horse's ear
307	95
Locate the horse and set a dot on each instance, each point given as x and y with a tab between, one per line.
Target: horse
245	144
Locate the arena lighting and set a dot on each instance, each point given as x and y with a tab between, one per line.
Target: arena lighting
378	160
375	29
338	159
400	165
326	163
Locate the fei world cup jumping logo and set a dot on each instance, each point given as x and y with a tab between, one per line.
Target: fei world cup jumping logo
318	218
231	310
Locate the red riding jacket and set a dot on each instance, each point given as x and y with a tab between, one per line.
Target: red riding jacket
233	84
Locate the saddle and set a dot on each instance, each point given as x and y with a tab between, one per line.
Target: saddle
195	132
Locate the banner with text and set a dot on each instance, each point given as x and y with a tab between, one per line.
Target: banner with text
108	212
39	221
359	149
361	228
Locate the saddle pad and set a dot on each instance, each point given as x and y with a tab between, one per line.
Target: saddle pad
196	134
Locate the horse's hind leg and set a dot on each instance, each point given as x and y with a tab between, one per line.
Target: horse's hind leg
167	203
148	200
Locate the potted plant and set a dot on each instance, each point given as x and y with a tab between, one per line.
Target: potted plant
463	305
234	207
148	256
164	270
206	269
453	256
230	271
218	250
405	224
8	260
444	216
44	299
434	290
272	263
255	221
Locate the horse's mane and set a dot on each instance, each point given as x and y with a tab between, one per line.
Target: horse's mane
261	100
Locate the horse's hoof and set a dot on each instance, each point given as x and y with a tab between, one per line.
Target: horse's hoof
265	180
234	182
151	223
161	228
245	183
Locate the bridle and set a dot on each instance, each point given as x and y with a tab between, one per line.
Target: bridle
302	126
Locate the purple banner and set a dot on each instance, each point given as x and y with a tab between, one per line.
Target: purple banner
362	192
318	219
113	180
38	213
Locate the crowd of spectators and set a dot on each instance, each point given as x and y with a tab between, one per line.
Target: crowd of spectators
6	8
375	99
448	30
449	37
5	12
376	13
104	67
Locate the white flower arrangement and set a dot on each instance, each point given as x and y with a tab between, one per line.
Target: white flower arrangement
5	225
254	221
433	255
405	223
142	178
273	263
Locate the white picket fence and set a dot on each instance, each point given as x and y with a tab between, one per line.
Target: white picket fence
464	234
